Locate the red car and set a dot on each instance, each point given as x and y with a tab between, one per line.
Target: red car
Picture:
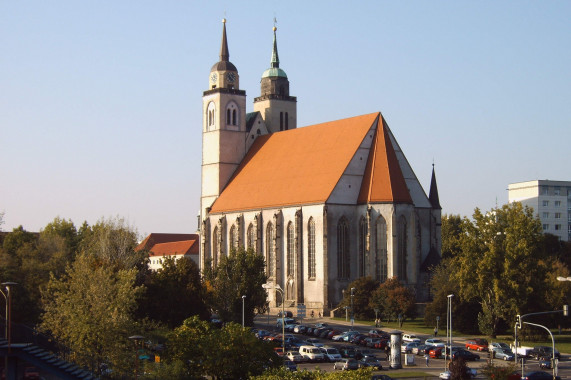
435	353
477	345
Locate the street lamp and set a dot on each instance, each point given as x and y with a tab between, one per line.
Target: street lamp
135	339
352	311
448	330
279	289
243	300
8	298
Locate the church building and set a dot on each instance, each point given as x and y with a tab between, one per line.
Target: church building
324	204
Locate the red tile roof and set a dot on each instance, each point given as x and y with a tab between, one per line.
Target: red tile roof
383	180
299	166
157	238
303	166
185	247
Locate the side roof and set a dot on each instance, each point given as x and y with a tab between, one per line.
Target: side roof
304	166
159	238
185	247
297	166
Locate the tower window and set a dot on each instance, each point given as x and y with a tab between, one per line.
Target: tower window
286	121
228	118
210	116
281	121
232	114
233	117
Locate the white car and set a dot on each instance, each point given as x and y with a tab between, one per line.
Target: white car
331	354
295	356
406	348
434	342
410	338
469	371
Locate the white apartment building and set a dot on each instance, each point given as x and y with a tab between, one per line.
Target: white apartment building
551	201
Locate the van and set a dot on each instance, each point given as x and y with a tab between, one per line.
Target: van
408	338
311	353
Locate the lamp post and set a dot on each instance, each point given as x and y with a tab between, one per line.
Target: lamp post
243	301
448	330
135	339
279	289
8	321
352	311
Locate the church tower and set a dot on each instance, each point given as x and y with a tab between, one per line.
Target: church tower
277	107
223	127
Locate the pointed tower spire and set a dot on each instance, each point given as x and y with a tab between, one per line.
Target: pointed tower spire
275	62
433	195
224	55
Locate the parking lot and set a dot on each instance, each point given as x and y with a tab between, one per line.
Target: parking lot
435	365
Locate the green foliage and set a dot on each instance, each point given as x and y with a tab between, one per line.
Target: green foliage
228	353
64	229
89	309
284	374
113	242
17	239
493	372
458	369
241	273
393	299
495	261
364	286
177	283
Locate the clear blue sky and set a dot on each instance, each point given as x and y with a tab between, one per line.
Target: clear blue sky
100	101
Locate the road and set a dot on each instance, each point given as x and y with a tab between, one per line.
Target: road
435	366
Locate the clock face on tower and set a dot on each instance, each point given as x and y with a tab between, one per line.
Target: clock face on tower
231	77
213	78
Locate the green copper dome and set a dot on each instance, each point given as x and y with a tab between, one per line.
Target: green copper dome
274	72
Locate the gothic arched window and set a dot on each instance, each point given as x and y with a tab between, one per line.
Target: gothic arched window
215	240
402	249
290	250
270	250
251	237
232	114
210	116
343	264
311	248
381	249
362	247
233	239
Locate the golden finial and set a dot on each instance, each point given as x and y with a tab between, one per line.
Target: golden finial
224	21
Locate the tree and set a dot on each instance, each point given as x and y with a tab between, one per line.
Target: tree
364	287
241	273
89	309
227	353
393	299
458	370
64	229
451	235
500	265
177	283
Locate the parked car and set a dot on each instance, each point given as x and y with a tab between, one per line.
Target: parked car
434	342
321	325
505	354
299	329
539	375
287	322
331	354
347	352
406	348
311	353
290	366
287	314
294	356
375	332
346	364
541	351
501	345
470	372
324	333
410	338
332	333
371	342
314	342
422	349
466	355
435	352
370	361
477	344
545	363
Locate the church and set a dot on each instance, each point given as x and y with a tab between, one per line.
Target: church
324	204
